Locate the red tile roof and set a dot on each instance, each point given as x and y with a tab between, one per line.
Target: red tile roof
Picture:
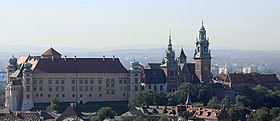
51	52
79	65
253	78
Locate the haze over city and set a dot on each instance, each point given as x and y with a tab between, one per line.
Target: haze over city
238	24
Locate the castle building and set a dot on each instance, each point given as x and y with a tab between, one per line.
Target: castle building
37	79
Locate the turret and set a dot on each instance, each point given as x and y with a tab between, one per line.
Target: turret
11	68
135	79
27	102
182	57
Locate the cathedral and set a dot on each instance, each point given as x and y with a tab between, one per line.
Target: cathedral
167	75
37	79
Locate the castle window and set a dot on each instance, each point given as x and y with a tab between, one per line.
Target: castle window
99	88
49	81
124	81
81	95
41	95
27	81
205	49
136	75
124	88
155	87
80	81
99	81
40	81
107	83
112	92
91	88
34	81
56	88
37	95
112	83
136	88
123	94
107	92
160	87
100	95
120	81
128	87
28	88
73	81
86	88
136	80
73	88
62	81
91	81
56	81
50	88
63	95
86	81
73	95
171	73
40	88
34	88
62	88
27	96
56	95
198	49
89	95
80	88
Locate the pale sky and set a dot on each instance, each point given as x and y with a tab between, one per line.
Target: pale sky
230	24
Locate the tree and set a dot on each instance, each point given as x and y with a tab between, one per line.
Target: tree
214	103
53	106
274	112
105	113
238	113
148	97
226	102
261	114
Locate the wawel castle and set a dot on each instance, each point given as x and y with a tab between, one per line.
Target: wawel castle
37	79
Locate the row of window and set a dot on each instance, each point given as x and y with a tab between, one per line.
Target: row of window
108	92
62	81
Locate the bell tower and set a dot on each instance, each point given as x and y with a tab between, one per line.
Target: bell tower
202	57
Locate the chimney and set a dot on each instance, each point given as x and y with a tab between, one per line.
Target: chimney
65	58
113	57
103	57
75	57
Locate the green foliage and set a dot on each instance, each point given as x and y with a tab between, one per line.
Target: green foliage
148	97
53	106
226	102
214	103
261	114
105	113
238	113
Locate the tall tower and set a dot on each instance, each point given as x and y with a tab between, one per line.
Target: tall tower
202	57
135	79
11	68
170	67
27	101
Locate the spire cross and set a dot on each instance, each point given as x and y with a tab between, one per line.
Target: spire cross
202	22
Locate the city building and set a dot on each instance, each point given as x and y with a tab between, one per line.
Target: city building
37	79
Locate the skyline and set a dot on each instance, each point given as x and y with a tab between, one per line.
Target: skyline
106	24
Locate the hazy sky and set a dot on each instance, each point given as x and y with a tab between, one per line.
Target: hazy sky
234	24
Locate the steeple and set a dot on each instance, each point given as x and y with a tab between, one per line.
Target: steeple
202	44
169	58
182	57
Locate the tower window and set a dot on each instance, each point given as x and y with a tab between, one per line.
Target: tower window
205	49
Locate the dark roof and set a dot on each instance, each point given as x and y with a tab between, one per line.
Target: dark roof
71	111
51	52
153	66
253	78
154	76
191	69
182	53
16	82
80	65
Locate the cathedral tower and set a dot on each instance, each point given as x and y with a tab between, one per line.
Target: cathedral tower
202	57
170	67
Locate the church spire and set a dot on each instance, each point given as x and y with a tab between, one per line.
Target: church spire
170	44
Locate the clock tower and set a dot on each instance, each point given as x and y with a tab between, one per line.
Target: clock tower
202	57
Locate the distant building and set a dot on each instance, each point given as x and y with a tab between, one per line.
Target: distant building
37	79
238	81
246	69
